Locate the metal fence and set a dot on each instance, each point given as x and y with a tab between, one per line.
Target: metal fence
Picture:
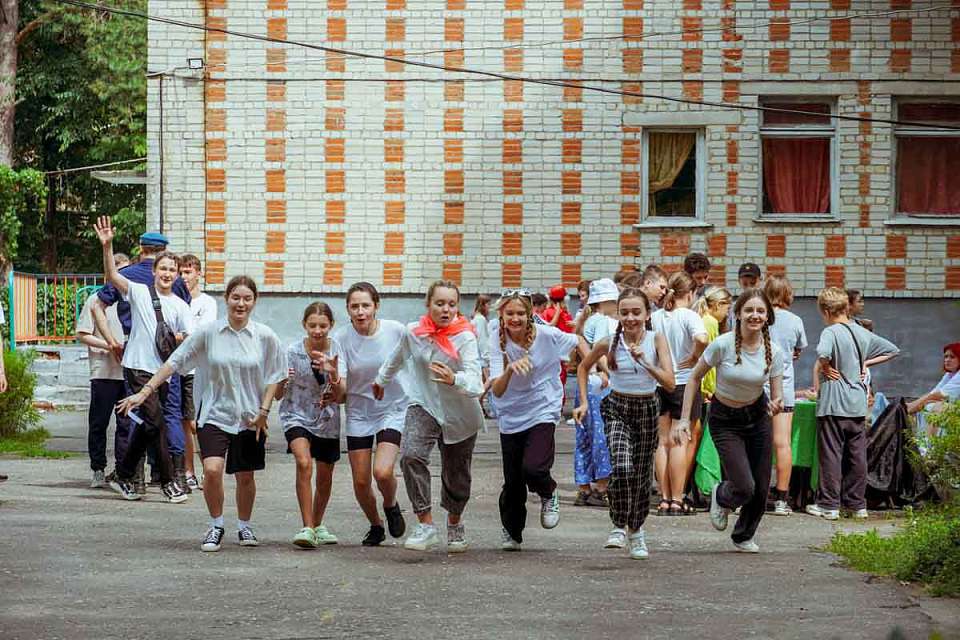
43	307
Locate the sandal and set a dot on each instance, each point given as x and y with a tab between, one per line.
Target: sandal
688	508
676	508
661	510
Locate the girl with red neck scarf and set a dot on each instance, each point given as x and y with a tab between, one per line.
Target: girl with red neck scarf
443	363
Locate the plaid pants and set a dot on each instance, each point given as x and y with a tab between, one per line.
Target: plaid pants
631	426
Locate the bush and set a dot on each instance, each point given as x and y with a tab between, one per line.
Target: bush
941	460
17	413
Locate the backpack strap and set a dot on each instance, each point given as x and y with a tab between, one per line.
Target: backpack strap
157	309
860	360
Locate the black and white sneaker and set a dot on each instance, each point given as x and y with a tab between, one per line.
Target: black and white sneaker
173	493
395	522
124	488
374	537
213	539
247	539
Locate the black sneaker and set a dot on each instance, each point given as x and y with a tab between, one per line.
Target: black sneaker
213	539
124	488
395	521
173	493
374	537
247	539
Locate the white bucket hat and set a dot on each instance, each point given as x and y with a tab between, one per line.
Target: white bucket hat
603	290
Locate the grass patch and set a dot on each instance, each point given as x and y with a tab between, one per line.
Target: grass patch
31	443
927	550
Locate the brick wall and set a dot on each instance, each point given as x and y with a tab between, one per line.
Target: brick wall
310	170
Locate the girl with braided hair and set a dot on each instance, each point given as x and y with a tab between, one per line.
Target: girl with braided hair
740	414
523	375
638	360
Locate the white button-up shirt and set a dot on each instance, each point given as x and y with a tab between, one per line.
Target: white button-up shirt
455	407
236	366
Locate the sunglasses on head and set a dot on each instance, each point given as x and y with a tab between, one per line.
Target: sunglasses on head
516	293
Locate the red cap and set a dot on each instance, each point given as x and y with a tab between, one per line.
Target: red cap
557	293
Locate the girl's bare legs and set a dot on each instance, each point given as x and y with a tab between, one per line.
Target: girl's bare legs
322	495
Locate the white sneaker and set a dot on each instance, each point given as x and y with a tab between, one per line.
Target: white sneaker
747	546
550	511
456	538
718	514
423	538
99	480
780	508
860	514
616	540
818	511
638	545
507	543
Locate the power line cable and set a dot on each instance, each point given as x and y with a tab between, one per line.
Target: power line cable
60	172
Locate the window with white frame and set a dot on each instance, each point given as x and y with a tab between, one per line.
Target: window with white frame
672	182
798	157
928	158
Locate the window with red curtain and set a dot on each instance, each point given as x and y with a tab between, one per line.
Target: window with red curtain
928	165
796	139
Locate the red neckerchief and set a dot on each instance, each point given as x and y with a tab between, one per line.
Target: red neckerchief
441	335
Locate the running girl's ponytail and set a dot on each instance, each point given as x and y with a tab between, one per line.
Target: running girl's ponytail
678	285
767	351
612	360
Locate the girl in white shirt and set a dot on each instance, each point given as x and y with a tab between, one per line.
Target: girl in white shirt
310	417
687	337
443	360
740	414
523	375
243	363
638	360
374	427
948	389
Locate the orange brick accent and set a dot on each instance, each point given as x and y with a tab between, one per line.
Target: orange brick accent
731	214
276	211
572	28
513	120
453	213
839	4
453	150
779	61
570	244
718	274
570	212
571	150
896	246
392	274
395	30
732	60
692	5
276	242
393	120
393	242
453	59
692	28
864	184
335	119
394	91
692	60
731	90
335	62
394	212
779	5
276	60
572	59
216	23
633	5
335	89
629	152
733	182
394	181
839	60
512	29
215	272
453	271
216	120
392	5
512	243
953	247
453	29
572	120
336	211
275	150
729	26
453	120
216	149
277	28
630	244
276	119
570	275
573	93
834	276
336	242
216	211
896	278
674	244
394	66
779	29
336	181
336	29
512	91
511	274
776	270
840	29
693	89
452	244
629	213
276	90
513	183
216	180
952	277
333	5
453	181
513	5
392	150
216	240
900	60
215	91
570	182
216	59
633	60
629	183
733	152
333	273
453	90
632	28
513	60
276	180
512	213
513	151
901	29
835	247
863	92
776	246
717	245
955	30
573	5
632	88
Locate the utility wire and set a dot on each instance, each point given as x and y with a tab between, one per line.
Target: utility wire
60	172
501	76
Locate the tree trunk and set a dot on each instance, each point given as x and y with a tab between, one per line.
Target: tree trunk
9	16
49	244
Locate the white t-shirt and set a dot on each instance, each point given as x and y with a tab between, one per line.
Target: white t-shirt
787	333
631	376
141	352
536	397
302	393
203	308
742	382
103	365
679	327
597	327
480	323
363	356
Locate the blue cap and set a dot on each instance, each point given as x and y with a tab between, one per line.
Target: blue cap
153	239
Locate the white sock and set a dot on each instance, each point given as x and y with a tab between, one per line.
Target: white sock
217	522
242	524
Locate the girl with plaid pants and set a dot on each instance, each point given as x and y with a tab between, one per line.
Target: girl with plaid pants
639	361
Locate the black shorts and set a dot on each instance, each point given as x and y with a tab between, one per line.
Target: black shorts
672	403
242	451
187	410
356	443
322	449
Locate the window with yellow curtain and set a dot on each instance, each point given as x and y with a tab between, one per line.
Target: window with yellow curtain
671	173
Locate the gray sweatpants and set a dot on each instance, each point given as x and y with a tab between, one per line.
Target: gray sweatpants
420	433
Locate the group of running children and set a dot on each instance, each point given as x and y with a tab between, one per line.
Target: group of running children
643	354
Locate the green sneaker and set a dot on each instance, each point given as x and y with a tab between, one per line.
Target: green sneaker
323	536
305	539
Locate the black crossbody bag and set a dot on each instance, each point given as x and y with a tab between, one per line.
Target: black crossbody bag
164	339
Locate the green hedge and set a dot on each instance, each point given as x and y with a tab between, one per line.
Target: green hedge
17	413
